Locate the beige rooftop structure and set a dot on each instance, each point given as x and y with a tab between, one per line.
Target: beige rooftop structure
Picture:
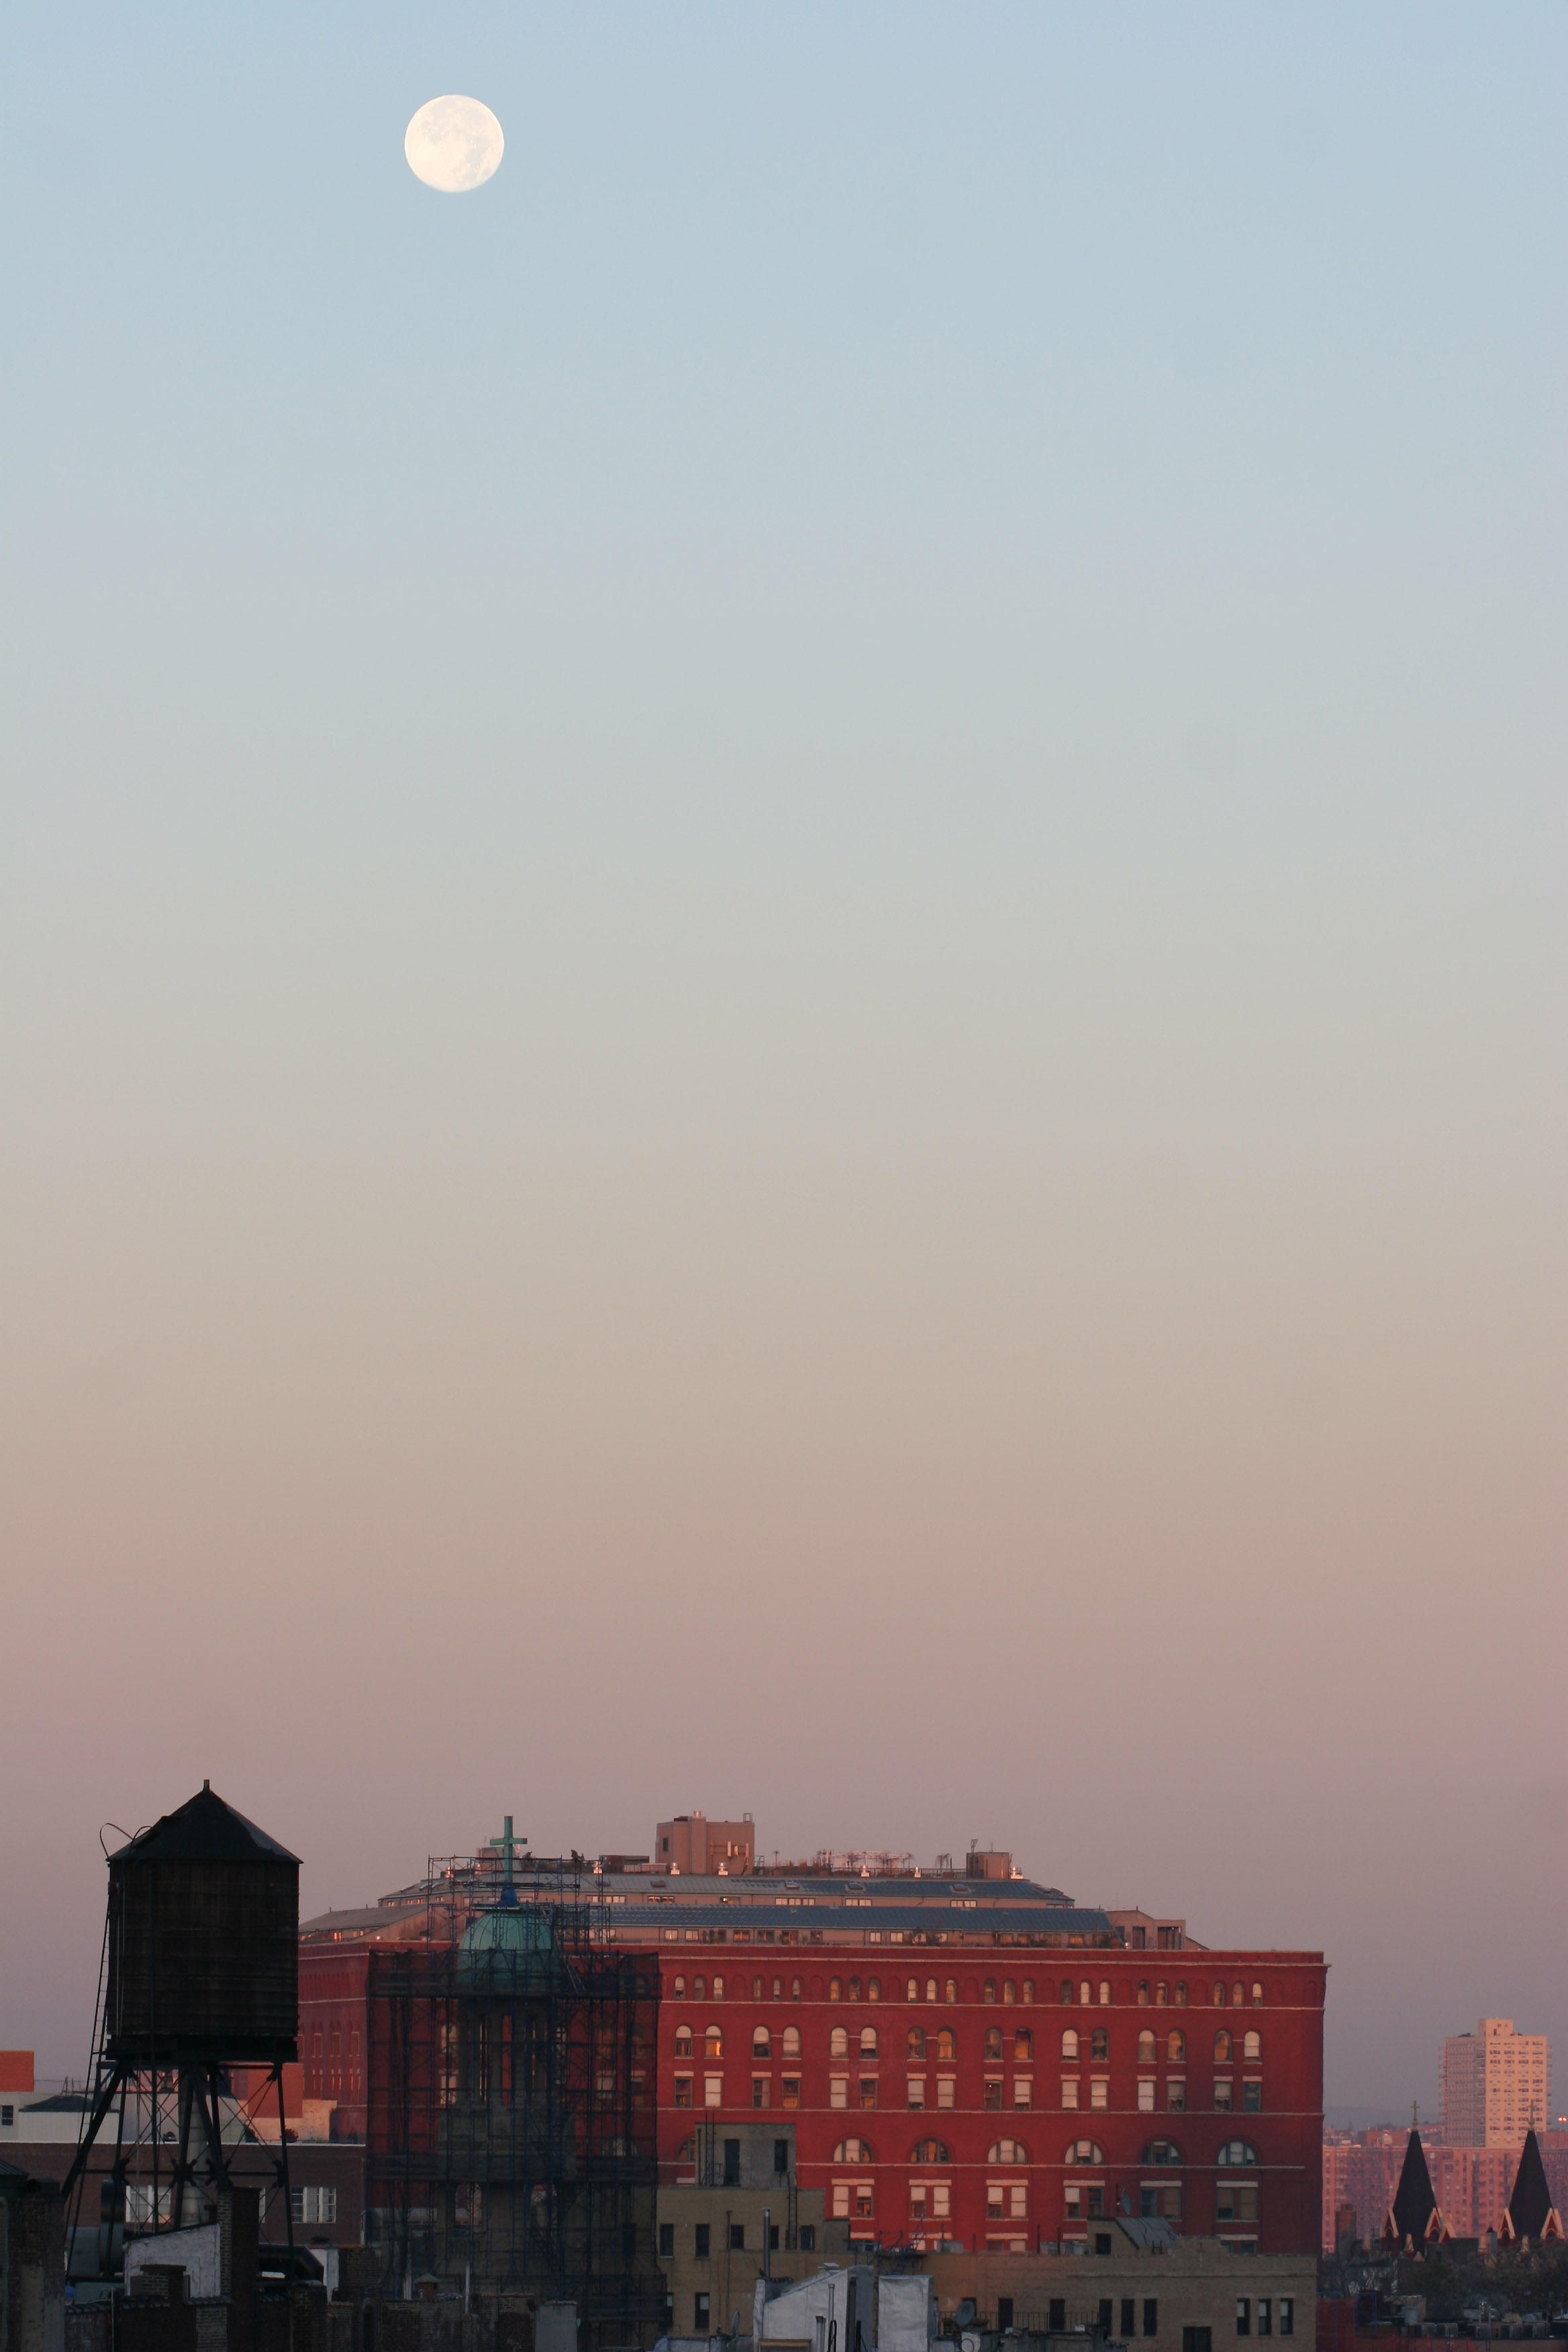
694	1845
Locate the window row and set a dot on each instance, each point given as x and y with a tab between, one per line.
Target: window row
943	2046
864	2092
1082	1993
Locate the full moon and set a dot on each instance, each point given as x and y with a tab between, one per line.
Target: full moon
453	144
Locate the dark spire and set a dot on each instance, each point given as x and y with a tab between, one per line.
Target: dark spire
1414	2203
1532	2200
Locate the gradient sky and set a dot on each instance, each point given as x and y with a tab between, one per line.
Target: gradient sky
783	1001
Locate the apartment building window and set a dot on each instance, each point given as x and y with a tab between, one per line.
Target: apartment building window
761	2045
916	2047
1175	2096
790	2046
946	2091
946	2045
1222	2048
838	2042
683	2090
1069	2046
1128	2316
761	2090
666	2242
992	2049
867	2042
838	2090
1146	2095
1146	2048
1022	2046
1287	2314
737	2237
314	2208
1099	2046
867	2090
992	2094
705	2241
862	2201
791	2091
1070	2090
1244	2314
807	2235
917	2089
1252	2049
1236	2202
713	2090
1252	2098
1197	2339
949	1991
1222	2097
1099	2092
1176	2048
700	2307
1150	2314
1264	2315
1022	2091
713	2043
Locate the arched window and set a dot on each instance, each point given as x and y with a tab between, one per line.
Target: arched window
794	1987
1104	1993
712	2043
718	1987
1069	2045
1009	1993
1181	1996
947	2043
1161	2151
1237	1995
1219	1996
912	1990
1083	1994
678	1987
1176	2048
1023	2045
867	2042
756	1988
852	2151
834	1990
1237	2152
1145	2048
761	2047
1252	2048
993	2045
1222	2048
1142	1993
699	1989
1160	1991
838	2042
1256	1996
874	1988
950	1990
853	1988
1007	2151
778	1987
1084	2151
683	2042
1067	1994
931	2152
1028	1993
931	1988
917	2042
1099	2044
791	2042
990	1992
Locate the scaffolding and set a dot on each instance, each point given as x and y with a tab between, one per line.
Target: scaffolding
511	2143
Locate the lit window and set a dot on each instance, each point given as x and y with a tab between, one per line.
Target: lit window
834	1990
718	1987
1145	2048
989	1993
1104	1993
712	2043
683	2042
867	2090
1099	2045
946	2045
1023	2045
917	2042
993	2045
791	2092
1176	2048
1222	2048
951	1991
992	2094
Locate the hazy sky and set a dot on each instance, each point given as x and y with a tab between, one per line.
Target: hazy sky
782	1001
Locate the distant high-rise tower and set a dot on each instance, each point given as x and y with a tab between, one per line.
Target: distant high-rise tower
1496	2084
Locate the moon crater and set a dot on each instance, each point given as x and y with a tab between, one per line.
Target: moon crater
453	144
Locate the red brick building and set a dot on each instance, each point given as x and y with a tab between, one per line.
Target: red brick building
962	2061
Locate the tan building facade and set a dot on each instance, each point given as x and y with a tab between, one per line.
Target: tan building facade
1193	2296
1497	2085
696	1847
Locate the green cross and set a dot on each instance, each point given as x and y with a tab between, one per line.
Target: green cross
506	1845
